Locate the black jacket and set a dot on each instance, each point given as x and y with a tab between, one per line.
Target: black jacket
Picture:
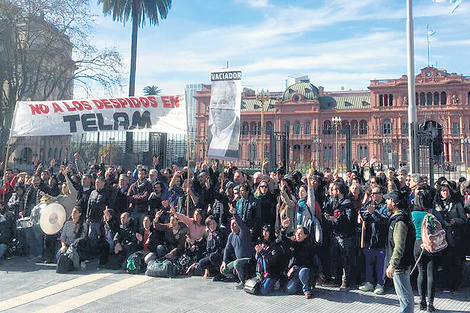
96	204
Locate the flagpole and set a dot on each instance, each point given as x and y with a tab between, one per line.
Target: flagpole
412	110
188	157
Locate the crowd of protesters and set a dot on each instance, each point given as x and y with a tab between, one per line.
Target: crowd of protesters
293	230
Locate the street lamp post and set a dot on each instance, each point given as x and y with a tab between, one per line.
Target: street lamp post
466	142
262	97
336	123
316	142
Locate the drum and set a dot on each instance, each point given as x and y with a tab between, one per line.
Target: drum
52	218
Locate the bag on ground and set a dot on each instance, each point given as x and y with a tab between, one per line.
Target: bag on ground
135	263
252	285
161	268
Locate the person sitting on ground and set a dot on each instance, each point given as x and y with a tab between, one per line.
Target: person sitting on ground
6	231
73	229
304	264
195	227
174	234
212	259
238	243
268	260
125	240
147	236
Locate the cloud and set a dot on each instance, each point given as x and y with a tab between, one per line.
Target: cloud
254	3
337	42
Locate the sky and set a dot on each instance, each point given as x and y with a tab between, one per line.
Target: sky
337	43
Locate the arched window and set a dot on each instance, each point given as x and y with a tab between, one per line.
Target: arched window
344	123
362	152
363	127
253	127
27	155
327	128
252	156
307	153
354	126
422	99
287	127
385	100
390	99
259	128
417	99
296	153
297	128
443	98
386	127
269	128
245	128
307	128
429	98
381	100
436	98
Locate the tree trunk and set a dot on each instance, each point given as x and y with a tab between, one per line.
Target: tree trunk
135	28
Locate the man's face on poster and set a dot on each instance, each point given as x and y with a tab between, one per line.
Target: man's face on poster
222	106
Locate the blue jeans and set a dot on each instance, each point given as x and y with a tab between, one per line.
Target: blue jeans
267	286
3	248
299	279
404	292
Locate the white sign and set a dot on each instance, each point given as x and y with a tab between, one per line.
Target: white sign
224	114
165	114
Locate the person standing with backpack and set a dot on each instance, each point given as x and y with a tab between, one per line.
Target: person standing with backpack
427	262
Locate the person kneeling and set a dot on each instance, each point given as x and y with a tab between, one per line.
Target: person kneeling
238	242
304	266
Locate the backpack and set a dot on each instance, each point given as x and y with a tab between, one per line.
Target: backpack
432	234
135	263
161	268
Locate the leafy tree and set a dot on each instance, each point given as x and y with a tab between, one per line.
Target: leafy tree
45	53
152	90
138	11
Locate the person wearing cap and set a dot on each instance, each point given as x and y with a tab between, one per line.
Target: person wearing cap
399	250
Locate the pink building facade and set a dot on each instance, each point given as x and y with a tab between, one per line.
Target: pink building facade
299	121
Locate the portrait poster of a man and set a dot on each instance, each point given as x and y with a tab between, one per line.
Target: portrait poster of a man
224	115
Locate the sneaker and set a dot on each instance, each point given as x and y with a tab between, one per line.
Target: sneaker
431	308
343	286
308	296
240	286
367	287
379	290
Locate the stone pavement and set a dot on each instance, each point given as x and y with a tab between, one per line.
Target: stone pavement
33	287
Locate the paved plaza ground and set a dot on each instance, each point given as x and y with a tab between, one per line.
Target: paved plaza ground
27	286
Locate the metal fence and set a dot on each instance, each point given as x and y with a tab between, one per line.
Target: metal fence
115	148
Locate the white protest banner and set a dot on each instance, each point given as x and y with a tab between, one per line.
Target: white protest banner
166	114
224	114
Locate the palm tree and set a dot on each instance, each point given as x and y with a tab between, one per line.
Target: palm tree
152	90
138	11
